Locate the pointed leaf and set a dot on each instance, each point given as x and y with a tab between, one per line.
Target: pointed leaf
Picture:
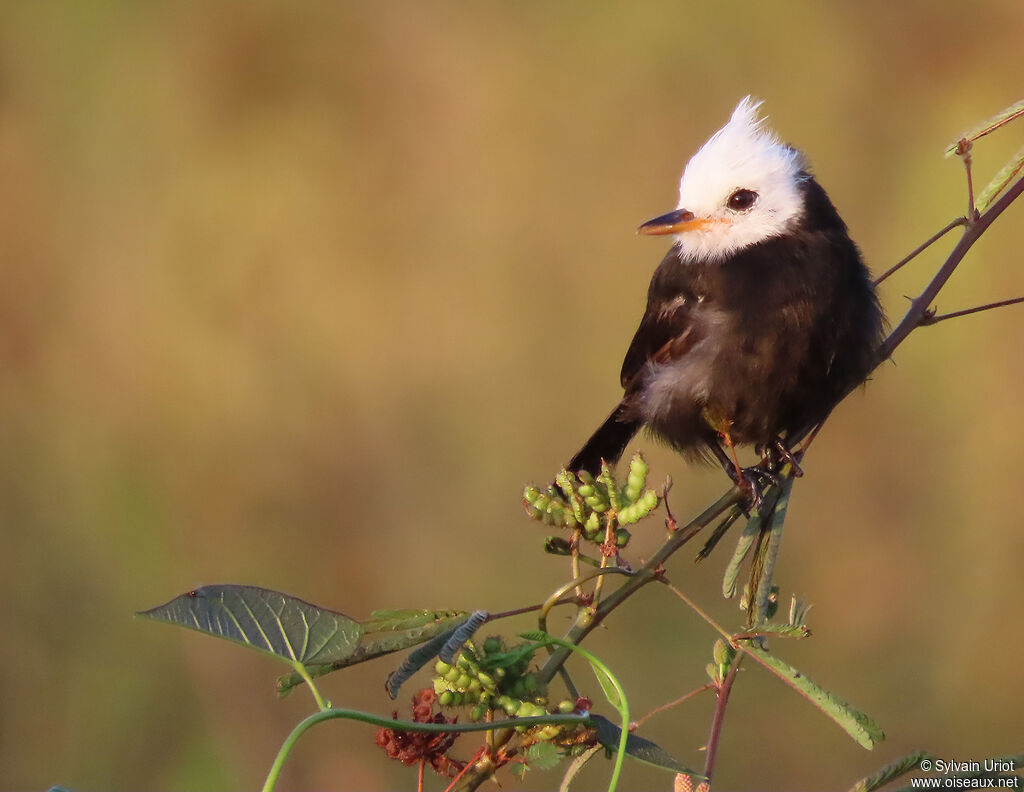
391	633
1001	180
772	628
854	722
265	620
608	734
608	685
988	126
892	771
410	620
743	545
771	546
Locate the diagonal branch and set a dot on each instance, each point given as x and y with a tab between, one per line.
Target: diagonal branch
931	319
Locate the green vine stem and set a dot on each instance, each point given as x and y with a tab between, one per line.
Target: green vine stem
391	723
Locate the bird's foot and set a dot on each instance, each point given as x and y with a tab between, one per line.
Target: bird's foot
752	482
788	457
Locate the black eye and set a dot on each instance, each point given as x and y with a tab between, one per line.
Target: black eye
742	200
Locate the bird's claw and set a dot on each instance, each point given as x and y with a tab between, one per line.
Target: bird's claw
750	481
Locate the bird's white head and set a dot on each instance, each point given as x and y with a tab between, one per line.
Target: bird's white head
740	188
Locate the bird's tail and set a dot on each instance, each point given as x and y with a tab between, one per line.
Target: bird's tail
607	443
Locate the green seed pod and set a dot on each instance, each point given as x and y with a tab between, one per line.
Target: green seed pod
493	644
440	686
463	682
475	687
566	706
565	483
636	479
512	706
599	500
586	490
585	477
530	683
621	537
527	710
446	699
608	481
486	680
500	673
478	712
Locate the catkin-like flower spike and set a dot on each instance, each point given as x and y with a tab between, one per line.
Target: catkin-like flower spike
596	497
593	528
636	511
636	479
608	480
566	482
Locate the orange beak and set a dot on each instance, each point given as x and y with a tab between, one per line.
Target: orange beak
673	223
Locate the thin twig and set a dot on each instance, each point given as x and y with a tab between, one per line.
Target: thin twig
963	150
930	319
919	307
469	764
658	710
920	249
719	717
700	612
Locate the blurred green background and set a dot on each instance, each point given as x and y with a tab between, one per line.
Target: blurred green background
301	294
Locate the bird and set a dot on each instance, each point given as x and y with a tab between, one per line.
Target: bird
760	317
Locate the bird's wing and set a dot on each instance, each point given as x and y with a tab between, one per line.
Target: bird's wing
666	333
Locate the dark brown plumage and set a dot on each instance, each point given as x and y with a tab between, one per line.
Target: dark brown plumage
751	345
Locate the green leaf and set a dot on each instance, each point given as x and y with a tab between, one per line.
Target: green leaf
854	722
765	570
410	620
643	750
743	545
783	630
265	620
892	771
989	125
542	756
1001	180
386	632
608	685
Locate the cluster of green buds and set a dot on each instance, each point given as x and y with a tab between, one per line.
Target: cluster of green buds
491	677
590	504
723	655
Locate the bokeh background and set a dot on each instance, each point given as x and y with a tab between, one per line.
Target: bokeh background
301	294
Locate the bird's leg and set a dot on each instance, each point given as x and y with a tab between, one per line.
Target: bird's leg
748	479
779	447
